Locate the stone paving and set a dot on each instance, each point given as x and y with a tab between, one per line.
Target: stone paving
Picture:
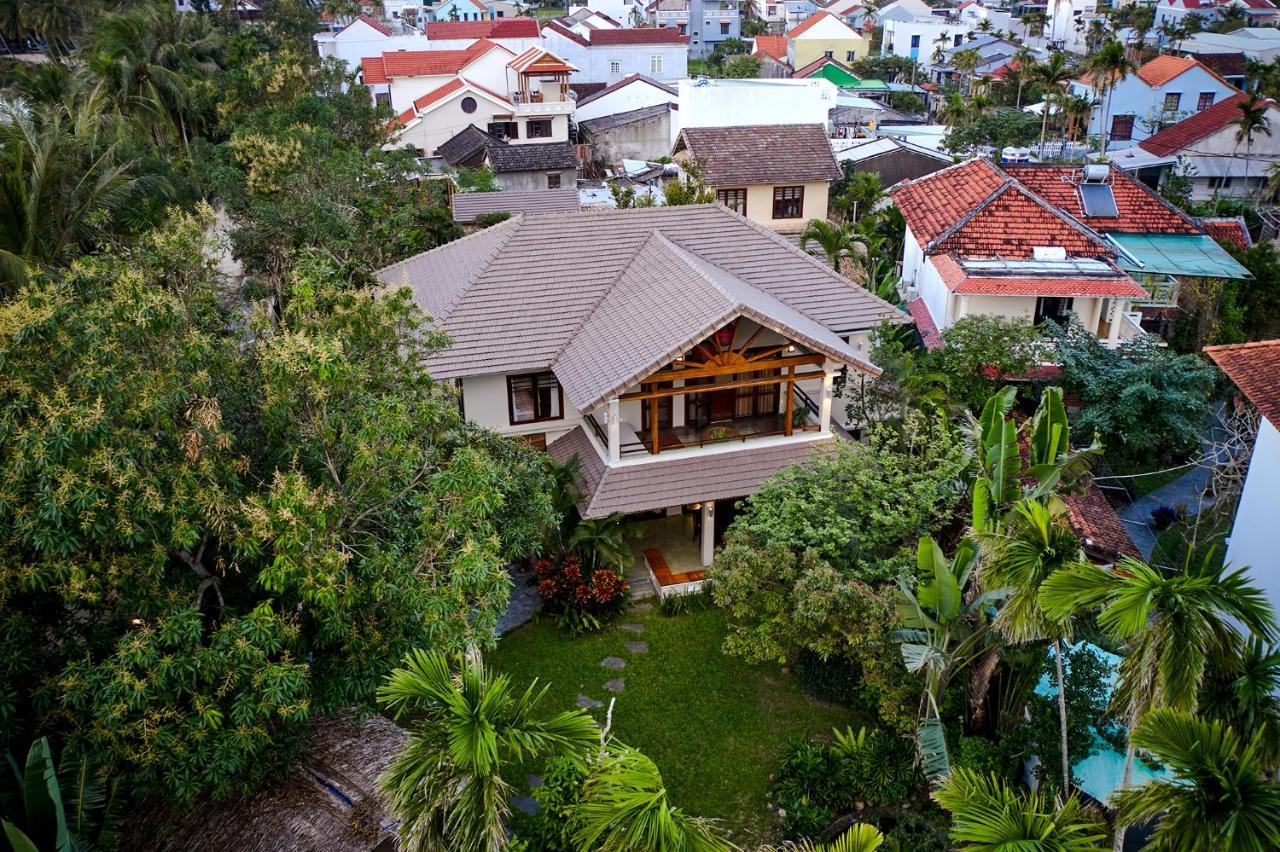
523	602
615	663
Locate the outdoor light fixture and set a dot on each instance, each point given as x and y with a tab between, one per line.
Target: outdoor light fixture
791	348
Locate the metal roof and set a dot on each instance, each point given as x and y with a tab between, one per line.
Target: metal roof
1073	267
1176	254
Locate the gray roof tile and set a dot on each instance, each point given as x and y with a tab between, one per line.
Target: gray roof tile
762	153
469	205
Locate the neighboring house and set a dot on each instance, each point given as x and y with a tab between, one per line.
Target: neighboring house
515	34
725	103
470	206
771	50
824	35
971	13
634	92
995	54
530	167
1259	13
683	355
465	10
521	99
1255	370
777	175
366	37
826	68
1204	149
610	56
1258	43
643	133
773	12
918	38
707	23
902	10
853	12
1164	91
1068	24
1044	241
891	160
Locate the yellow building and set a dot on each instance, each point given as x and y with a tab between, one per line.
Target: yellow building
775	174
824	34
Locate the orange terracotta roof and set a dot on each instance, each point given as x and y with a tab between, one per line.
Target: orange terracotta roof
1195	127
1141	210
1100	529
438	94
772	45
373	70
1164	68
929	334
1228	230
1255	369
425	63
934	203
537	60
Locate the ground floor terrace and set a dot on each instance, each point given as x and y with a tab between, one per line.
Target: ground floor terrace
670	550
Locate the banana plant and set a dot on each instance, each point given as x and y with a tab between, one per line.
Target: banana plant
51	809
994	441
940	634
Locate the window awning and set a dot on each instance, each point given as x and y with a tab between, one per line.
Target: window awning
1176	254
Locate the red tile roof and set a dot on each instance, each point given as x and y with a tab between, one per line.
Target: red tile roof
639	35
1141	210
1031	284
421	63
1255	369
812	21
1164	68
1100	529
439	94
536	60
501	28
1013	223
1229	230
372	70
1195	127
934	203
772	45
929	334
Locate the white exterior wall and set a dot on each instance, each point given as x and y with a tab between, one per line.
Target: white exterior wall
1134	97
484	402
446	119
517	46
635	95
360	40
1253	535
597	64
729	103
936	296
896	39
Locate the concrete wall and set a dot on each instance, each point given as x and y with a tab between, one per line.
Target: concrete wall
639	140
896	39
729	103
613	63
760	205
1253	535
536	180
634	95
801	51
446	119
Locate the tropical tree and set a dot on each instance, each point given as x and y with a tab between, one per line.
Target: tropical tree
601	542
859	195
1052	76
1253	120
1025	59
986	813
1242	691
859	837
71	807
1171	625
966	62
625	808
1141	19
954	111
469	724
1219	796
836	242
1096	33
1109	65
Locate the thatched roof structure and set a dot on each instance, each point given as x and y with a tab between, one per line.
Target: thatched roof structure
329	803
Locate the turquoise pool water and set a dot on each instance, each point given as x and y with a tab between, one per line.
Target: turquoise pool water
1102	774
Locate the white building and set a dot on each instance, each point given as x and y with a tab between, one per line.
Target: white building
972	13
366	37
1259	13
918	38
729	103
903	10
1162	92
1258	43
611	55
634	92
1255	369
1068	23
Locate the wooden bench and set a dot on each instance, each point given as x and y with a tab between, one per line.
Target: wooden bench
664	576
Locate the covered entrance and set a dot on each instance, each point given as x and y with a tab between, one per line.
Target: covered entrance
671	549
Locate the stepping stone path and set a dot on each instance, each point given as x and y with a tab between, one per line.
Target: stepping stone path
615	663
586	702
638	647
641	607
632	628
615	685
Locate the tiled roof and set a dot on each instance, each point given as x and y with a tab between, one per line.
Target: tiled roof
772	45
586	90
626	81
638	35
501	28
1231	229
767	153
662	306
929	334
1194	127
1255	369
1141	210
675	481
1012	223
958	280
538	60
439	94
818	64
423	63
531	157
935	202
1164	68
561	30
1100	529
513	296
372	70
631	116
468	206
465	145
813	20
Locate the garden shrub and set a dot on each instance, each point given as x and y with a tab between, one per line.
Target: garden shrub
549	829
979	754
582	599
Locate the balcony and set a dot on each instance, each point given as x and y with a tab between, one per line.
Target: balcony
547	102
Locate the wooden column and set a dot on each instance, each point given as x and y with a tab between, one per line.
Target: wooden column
791	401
653	423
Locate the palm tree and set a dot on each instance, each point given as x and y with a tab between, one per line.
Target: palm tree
1253	119
862	191
1140	20
988	814
601	542
1096	34
966	62
1109	66
859	837
1219	797
1024	60
1170	625
1242	691
56	21
985	25
1033	23
955	111
1038	544
836	242
625	808
446	786
1052	75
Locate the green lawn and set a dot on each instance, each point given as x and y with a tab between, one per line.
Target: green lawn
715	726
1214	527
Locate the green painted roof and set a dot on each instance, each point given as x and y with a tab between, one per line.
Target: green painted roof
837	75
1177	254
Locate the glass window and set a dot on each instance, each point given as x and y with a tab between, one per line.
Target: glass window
505	129
1121	127
655	63
850	56
1206	101
553	180
724	28
734	199
830	54
615	68
915	41
788	202
1171	101
1054	308
534	397
540	128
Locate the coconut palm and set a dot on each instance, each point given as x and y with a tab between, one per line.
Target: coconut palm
1096	34
836	242
1171	625
625	808
955	111
986	813
56	21
1024	60
1253	120
1141	19
861	193
1109	65
1052	75
446	786
1219	797
966	62
1033	23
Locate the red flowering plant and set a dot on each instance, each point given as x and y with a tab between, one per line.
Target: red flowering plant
581	598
